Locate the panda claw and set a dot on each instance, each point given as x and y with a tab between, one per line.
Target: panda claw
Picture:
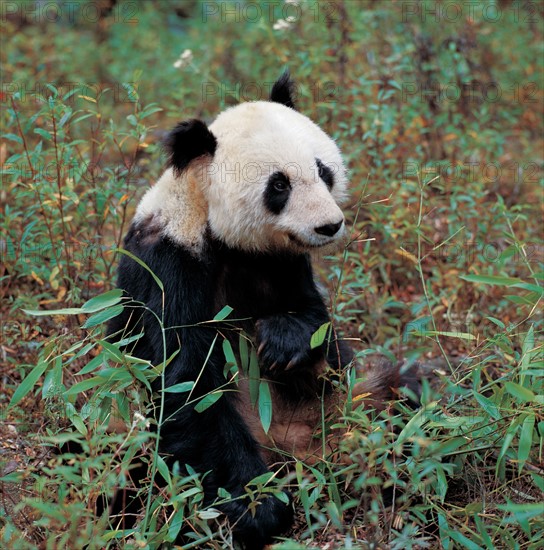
261	347
290	365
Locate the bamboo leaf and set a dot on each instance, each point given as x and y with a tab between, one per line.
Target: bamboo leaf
525	440
182	387
102	301
28	383
254	377
491	280
103	316
85	385
207	401
416	421
525	395
318	337
488	406
44	312
265	405
223	314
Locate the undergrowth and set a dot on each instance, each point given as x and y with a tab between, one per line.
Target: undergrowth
441	125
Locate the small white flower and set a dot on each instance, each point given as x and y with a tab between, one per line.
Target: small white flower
283	24
139	418
184	59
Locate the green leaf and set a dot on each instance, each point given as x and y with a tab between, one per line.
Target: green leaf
207	401
223	314
464	541
491	280
522	513
519	392
228	352
318	337
507	440
223	493
78	423
487	405
85	385
460	335
520	300
539	481
13	137
102	301
44	312
244	353
525	440
265	405
175	525
129	340
28	383
486	539
262	479
498	322
102	316
209	514
94	363
451	445
416	421
182	387
231	364
163	469
44	133
538	290
149	110
527	352
112	351
282	497
444	530
254	377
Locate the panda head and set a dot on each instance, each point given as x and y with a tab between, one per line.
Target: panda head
272	180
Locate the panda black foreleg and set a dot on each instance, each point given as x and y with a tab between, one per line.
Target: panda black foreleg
217	443
284	340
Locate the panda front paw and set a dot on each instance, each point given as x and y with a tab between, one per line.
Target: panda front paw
253	530
283	344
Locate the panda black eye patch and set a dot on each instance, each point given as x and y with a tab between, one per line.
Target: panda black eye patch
325	173
276	194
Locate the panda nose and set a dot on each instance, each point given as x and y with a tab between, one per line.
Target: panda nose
330	229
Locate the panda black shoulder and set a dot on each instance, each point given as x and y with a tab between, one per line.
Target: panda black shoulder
165	269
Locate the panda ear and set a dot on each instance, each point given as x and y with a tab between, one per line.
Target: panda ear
187	141
283	90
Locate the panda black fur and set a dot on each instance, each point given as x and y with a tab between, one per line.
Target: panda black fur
232	222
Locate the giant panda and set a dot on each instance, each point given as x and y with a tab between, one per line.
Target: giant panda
233	221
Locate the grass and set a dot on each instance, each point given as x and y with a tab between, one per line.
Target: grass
440	121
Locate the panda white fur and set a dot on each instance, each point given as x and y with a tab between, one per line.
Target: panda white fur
232	222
